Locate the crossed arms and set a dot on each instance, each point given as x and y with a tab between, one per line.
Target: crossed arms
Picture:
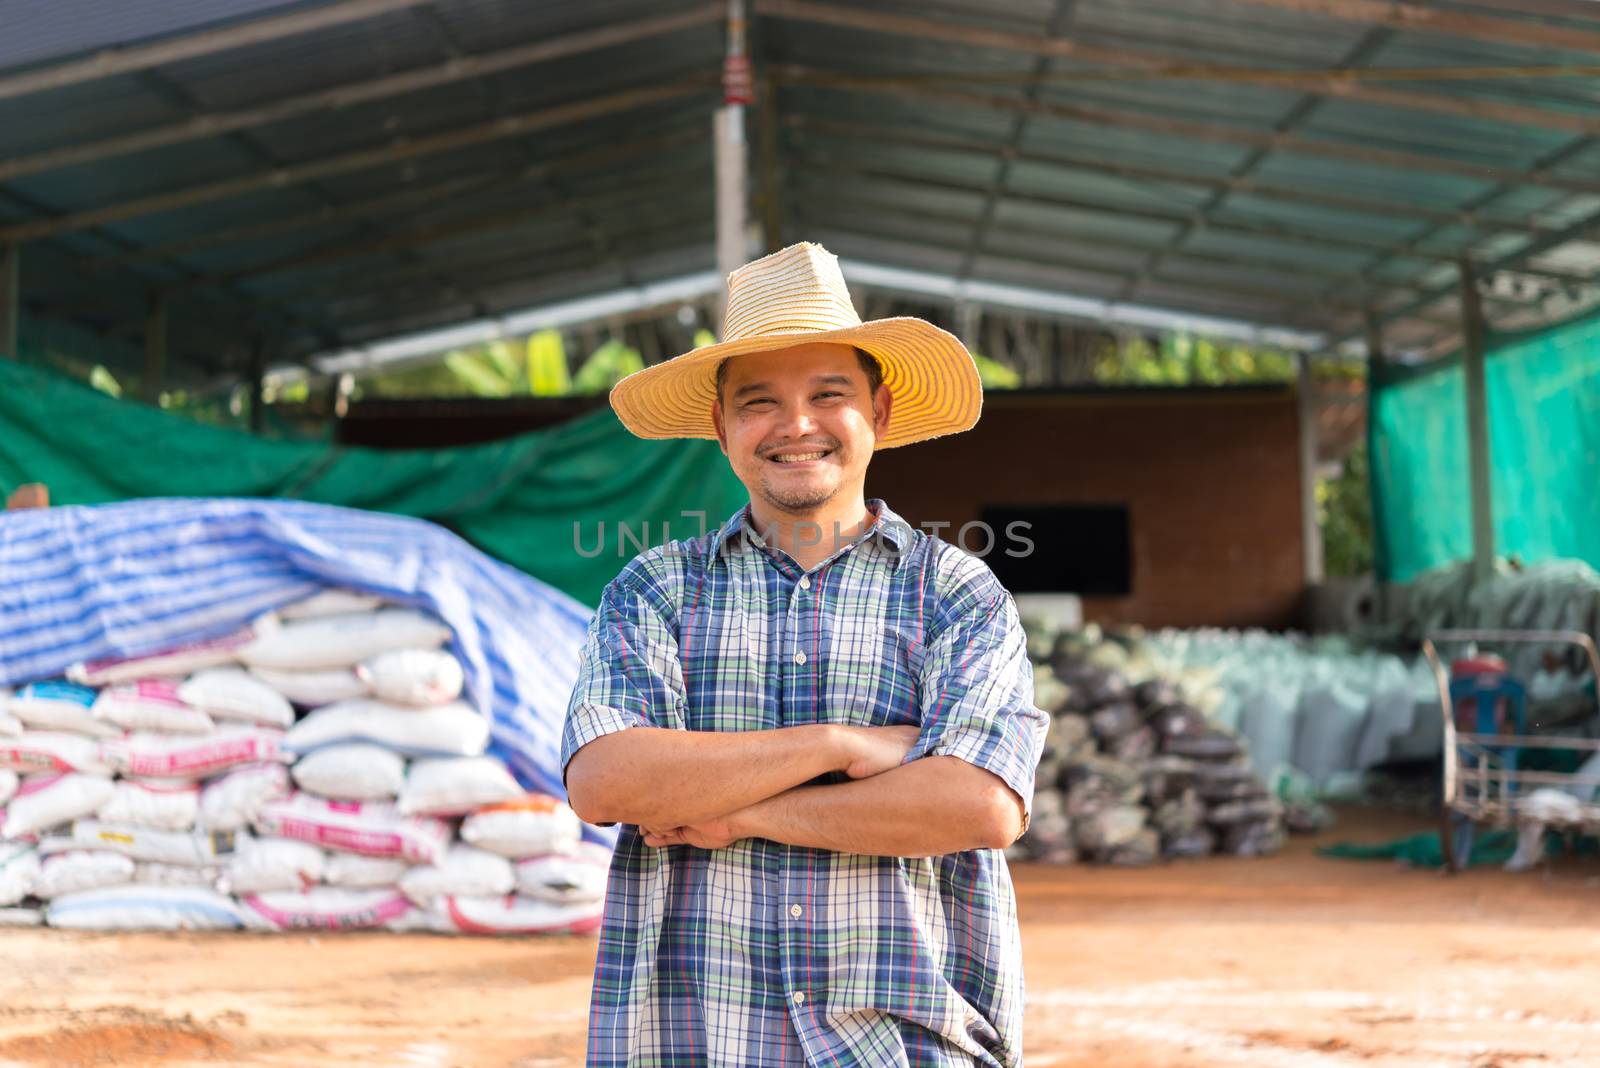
957	782
710	789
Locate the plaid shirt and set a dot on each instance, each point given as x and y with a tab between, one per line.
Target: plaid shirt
770	954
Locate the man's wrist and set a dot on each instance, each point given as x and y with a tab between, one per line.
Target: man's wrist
839	743
749	821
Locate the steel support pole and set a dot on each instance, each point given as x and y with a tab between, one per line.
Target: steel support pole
771	177
1310	528
1472	357
257	382
10	300
1380	544
155	351
730	163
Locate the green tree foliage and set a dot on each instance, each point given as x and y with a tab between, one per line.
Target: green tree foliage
1186	360
994	374
1344	511
105	381
605	367
547	365
1344	504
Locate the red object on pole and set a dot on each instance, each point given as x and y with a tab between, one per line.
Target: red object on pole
738	87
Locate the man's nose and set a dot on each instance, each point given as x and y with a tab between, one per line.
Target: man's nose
796	421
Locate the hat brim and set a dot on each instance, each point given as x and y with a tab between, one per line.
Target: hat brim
931	376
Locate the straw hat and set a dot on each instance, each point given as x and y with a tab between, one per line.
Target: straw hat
796	297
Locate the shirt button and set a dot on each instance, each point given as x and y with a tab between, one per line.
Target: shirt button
799	998
805	582
800	657
796	911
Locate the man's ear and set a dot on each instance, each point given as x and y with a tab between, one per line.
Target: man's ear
716	421
882	406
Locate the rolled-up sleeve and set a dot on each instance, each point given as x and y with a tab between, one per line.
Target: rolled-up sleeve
977	685
630	675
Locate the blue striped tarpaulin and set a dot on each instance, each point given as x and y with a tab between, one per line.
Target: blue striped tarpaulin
133	578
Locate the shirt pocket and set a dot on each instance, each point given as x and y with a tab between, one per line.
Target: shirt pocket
872	672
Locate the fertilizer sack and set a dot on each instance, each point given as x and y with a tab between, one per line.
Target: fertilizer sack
374	829
172	756
180	660
153	908
452	729
230	803
356	772
343	641
150	705
49	800
234	693
453	786
59	706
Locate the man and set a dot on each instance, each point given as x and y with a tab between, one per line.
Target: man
815	723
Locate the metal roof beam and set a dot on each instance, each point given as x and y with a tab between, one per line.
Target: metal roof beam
410	148
1072	307
414	345
1550	161
287	224
362	281
427	235
430	198
1277	297
1060	21
1208	132
1416	17
1290	308
410	346
502	294
383	242
125	60
1143	173
239	302
1277	268
1304	107
1509	261
456	69
971	36
1284	235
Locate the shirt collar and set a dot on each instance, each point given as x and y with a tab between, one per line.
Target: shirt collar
889	528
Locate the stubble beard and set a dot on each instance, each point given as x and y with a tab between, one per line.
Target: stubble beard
798	502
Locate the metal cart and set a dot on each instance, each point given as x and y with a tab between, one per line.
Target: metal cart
1482	782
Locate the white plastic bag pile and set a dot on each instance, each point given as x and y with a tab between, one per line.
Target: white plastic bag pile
1319	706
184	790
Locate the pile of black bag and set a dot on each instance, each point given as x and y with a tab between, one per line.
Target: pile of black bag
1132	772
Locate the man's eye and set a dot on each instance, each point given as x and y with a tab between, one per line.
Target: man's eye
830	393
757	402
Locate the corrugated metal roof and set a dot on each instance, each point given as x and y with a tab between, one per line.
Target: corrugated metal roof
1147	158
33	31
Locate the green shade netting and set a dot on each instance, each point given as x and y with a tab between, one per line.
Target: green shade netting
1424	851
1544	453
538	501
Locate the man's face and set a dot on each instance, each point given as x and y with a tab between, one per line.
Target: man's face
799	425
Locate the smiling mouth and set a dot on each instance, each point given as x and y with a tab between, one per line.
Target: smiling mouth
790	456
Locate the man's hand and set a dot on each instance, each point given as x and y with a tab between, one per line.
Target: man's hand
875	750
871	751
29	495
712	834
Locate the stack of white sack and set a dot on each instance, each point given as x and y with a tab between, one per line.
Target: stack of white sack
184	790
1320	705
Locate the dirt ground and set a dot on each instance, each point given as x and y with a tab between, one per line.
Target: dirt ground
1290	962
